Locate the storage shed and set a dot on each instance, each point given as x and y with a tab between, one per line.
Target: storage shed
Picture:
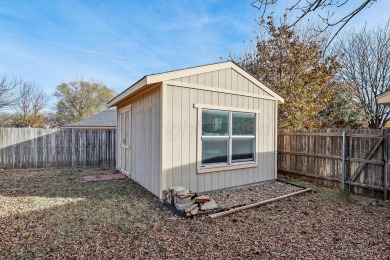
205	128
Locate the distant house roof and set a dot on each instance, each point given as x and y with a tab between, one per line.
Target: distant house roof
384	98
102	120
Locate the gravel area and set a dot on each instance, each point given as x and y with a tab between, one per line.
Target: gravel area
227	199
52	214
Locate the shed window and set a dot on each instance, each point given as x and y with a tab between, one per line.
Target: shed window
227	137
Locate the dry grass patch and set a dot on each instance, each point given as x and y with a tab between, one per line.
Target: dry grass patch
72	219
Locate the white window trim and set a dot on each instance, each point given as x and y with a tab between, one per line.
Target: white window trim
233	109
230	165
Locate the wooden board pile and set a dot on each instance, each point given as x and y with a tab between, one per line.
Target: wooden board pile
188	202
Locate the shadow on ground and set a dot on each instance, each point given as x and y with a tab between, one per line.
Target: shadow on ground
120	219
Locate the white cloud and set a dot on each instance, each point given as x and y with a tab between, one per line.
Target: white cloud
118	42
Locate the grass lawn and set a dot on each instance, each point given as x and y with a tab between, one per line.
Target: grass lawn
51	213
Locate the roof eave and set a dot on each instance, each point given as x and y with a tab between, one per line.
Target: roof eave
384	98
383	94
136	86
156	78
216	66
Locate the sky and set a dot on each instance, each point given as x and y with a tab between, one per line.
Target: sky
118	42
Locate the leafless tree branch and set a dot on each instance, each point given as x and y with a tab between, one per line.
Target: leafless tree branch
304	8
6	87
31	102
365	56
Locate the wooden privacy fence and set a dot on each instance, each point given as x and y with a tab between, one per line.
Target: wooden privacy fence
36	147
357	160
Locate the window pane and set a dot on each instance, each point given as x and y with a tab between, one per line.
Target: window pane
214	151
215	122
243	149
243	123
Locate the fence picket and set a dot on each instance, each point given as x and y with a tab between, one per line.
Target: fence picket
36	147
366	170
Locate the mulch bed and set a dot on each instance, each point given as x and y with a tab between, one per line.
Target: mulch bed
231	198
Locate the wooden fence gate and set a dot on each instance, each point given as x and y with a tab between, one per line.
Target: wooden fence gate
357	160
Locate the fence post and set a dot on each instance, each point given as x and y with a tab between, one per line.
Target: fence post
343	161
386	161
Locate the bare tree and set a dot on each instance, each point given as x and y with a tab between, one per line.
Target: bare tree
323	8
6	87
365	59
31	100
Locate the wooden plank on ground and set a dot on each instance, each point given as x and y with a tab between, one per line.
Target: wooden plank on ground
258	204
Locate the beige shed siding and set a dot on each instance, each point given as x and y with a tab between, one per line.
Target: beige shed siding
145	140
181	130
227	79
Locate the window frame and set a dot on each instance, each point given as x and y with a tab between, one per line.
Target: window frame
231	164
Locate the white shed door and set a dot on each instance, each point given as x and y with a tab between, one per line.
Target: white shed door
125	134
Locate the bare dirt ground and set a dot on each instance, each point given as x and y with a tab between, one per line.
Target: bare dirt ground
51	213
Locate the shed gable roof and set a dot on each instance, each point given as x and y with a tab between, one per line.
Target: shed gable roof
171	75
